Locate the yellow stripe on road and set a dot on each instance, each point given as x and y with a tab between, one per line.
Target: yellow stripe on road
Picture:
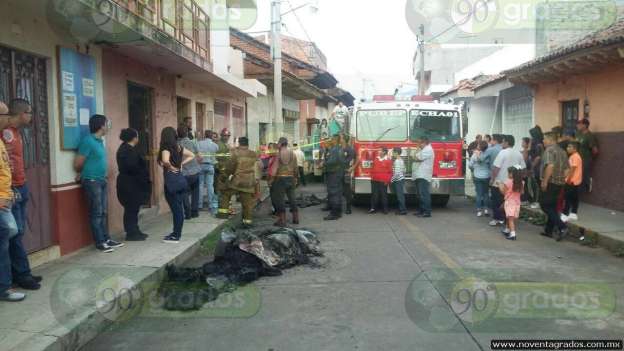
433	248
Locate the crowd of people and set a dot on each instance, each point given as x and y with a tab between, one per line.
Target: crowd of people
549	172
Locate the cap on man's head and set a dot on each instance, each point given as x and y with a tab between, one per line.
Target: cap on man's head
584	121
295	144
225	132
243	141
282	141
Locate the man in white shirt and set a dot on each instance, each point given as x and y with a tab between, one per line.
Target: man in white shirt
340	114
422	173
300	163
507	157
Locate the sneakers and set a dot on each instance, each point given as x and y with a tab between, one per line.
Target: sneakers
372	210
479	213
506	231
573	217
494	223
511	236
114	244
486	212
564	218
28	283
535	205
171	239
12	296
104	248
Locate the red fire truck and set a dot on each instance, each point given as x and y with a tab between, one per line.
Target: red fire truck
386	122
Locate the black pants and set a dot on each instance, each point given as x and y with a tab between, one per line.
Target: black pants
347	193
380	193
284	187
191	198
587	165
571	199
335	185
302	176
496	201
548	202
131	219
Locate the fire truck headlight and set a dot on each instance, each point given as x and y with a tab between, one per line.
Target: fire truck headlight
367	164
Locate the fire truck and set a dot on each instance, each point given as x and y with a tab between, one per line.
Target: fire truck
386	122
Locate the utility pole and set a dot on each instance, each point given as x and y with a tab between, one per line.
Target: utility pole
276	50
421	52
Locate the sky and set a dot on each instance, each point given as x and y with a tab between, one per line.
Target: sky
367	42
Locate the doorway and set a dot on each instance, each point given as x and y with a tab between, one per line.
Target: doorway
200	115
140	118
184	109
24	76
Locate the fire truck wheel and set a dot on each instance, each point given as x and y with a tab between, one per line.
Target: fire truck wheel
440	200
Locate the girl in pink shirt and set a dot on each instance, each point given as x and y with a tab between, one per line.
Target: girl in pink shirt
512	189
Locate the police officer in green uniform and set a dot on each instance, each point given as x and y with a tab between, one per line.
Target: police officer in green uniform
240	172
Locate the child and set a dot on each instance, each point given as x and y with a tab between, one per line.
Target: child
512	189
574	179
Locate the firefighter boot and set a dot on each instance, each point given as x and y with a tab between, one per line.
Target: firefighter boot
281	220
295	217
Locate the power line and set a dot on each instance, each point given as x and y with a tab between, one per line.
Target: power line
304	29
464	20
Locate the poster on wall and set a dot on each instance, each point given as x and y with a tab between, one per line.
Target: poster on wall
78	96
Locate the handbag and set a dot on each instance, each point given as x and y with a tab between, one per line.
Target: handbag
175	182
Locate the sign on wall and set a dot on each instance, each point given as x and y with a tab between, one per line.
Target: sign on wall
77	95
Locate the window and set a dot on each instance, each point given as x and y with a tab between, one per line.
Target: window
382	125
570	115
436	125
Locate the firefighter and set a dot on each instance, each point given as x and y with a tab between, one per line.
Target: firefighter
240	171
283	183
222	158
334	169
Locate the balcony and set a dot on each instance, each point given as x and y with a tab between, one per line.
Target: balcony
180	26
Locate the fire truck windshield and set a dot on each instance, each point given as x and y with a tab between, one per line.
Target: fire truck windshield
436	125
382	125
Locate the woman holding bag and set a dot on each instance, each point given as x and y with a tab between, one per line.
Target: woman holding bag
171	158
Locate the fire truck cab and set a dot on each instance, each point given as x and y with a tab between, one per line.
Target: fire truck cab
391	124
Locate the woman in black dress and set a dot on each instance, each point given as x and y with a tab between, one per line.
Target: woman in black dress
133	183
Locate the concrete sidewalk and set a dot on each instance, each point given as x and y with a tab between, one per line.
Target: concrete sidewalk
601	226
84	292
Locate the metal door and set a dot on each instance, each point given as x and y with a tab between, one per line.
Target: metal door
570	111
24	76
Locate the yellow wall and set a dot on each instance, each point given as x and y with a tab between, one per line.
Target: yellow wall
603	90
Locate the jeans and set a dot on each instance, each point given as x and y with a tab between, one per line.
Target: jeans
571	199
380	193
8	227
19	257
424	195
176	204
98	209
399	190
496	201
482	188
548	202
191	198
284	187
131	219
206	187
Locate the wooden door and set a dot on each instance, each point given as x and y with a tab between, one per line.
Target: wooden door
570	110
23	75
140	101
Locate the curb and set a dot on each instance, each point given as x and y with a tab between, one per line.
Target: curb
578	231
93	322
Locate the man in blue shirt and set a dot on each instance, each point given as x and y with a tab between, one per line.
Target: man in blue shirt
92	167
496	198
207	150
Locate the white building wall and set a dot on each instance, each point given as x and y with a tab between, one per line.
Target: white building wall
480	115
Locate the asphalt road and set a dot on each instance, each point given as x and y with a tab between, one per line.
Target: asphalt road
405	283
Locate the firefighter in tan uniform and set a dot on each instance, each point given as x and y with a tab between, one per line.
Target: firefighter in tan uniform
240	172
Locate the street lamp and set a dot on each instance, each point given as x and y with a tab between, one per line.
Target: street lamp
276	51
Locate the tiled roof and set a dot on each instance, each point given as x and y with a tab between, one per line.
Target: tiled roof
475	83
613	34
